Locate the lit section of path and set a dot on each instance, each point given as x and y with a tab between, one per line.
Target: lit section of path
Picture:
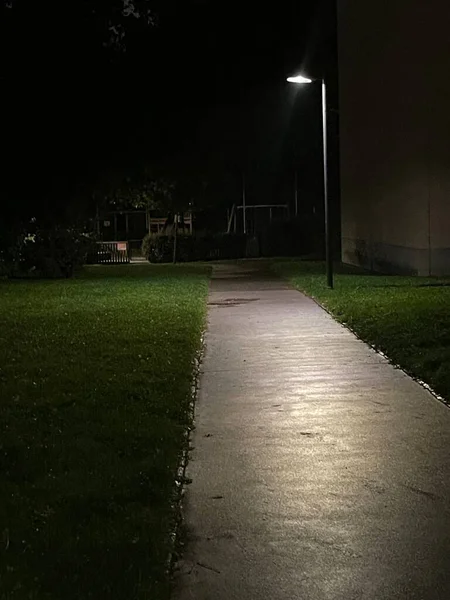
320	472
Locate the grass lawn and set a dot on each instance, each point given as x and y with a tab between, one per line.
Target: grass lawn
95	385
408	318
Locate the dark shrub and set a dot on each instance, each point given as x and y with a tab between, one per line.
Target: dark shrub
51	252
157	248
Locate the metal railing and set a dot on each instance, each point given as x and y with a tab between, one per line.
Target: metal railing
112	253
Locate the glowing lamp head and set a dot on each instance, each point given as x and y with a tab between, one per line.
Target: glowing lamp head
299	79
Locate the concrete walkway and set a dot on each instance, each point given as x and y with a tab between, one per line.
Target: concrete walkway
319	470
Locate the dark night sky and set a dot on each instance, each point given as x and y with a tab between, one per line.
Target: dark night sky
204	85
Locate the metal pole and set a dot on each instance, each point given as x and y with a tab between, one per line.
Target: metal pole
296	192
243	203
328	236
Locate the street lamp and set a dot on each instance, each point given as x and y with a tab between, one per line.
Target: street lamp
299	79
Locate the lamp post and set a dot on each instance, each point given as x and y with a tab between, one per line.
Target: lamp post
299	79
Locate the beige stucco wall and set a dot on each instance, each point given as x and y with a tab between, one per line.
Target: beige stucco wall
394	78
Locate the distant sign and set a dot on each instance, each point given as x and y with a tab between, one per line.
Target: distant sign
106	223
122	246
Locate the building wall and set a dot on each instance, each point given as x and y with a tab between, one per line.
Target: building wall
394	79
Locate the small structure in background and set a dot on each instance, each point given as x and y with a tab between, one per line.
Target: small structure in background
254	221
122	232
254	217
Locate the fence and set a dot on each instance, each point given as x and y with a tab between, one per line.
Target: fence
112	253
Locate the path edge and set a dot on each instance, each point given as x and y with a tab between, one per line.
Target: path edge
181	480
373	347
